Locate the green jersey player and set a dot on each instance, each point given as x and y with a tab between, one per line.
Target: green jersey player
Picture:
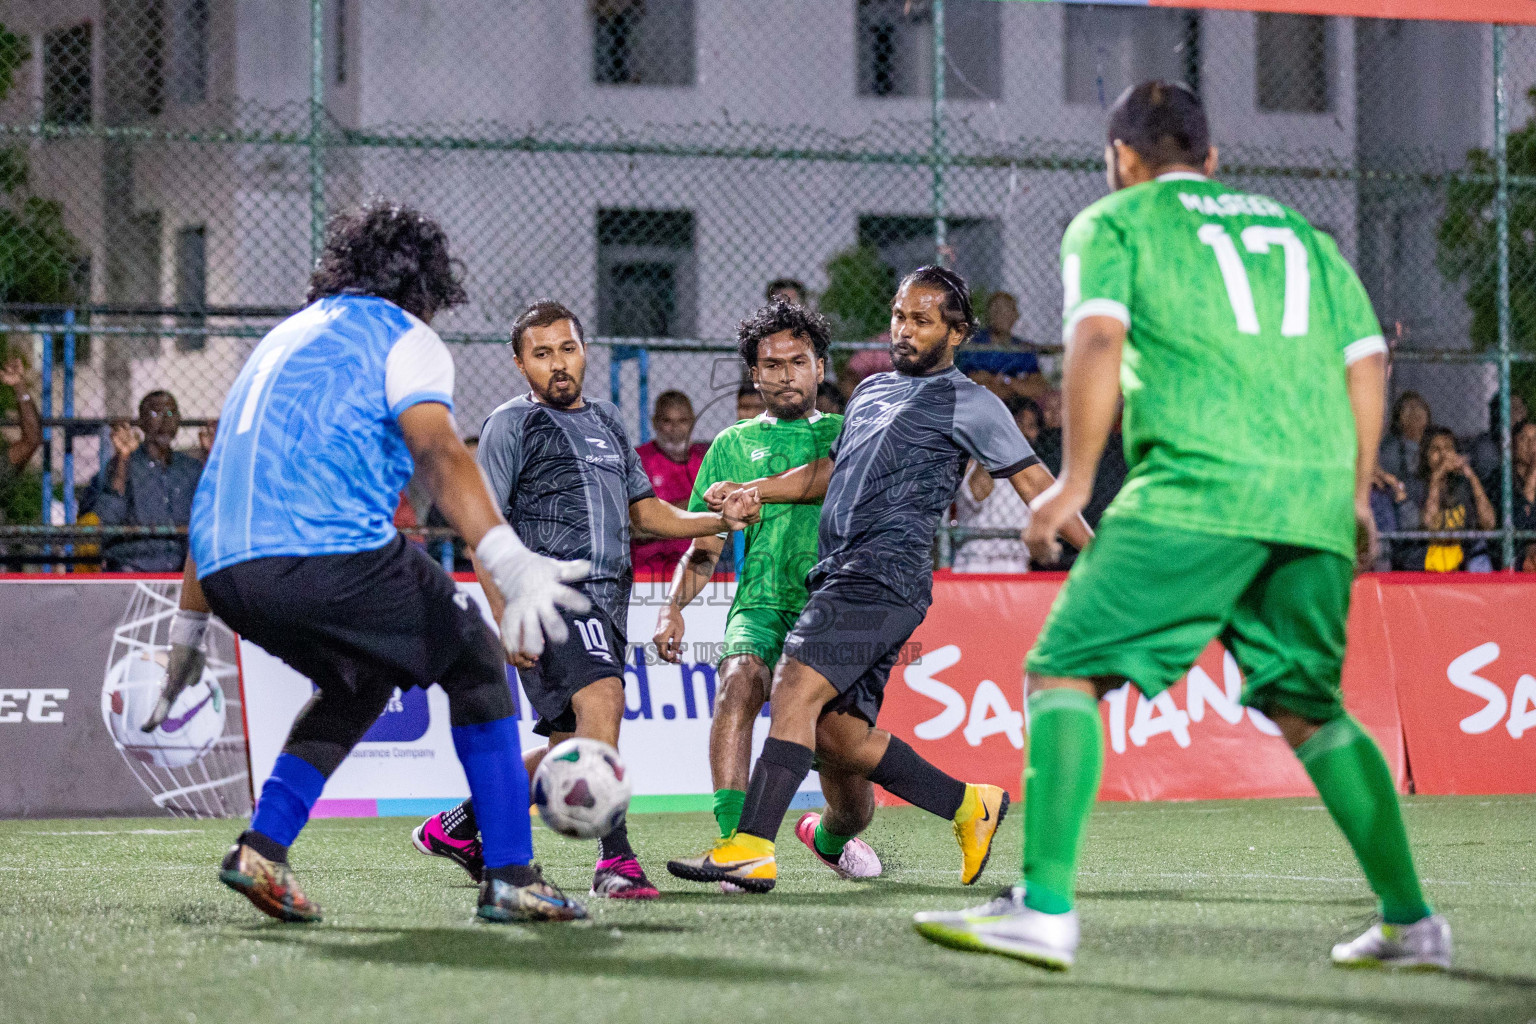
1253	372
785	347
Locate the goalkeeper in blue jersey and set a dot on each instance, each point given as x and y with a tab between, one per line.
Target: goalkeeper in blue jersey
293	545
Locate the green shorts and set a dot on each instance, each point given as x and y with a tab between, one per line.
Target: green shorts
757	631
1143	601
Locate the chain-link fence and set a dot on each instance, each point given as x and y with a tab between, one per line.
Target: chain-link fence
167	167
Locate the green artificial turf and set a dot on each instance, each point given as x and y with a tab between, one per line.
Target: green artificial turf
1191	913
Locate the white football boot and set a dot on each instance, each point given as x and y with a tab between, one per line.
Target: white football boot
1006	926
1424	945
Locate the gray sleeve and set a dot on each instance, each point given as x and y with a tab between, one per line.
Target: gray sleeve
637	483
988	434
500	454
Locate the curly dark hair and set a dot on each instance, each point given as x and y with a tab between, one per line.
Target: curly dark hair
777	317
957	311
387	249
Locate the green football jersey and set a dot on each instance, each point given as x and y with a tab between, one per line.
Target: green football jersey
1240	321
781	547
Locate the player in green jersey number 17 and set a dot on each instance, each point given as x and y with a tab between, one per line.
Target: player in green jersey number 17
785	346
1253	372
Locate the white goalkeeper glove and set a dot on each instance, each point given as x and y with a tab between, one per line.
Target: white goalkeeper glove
531	585
185	665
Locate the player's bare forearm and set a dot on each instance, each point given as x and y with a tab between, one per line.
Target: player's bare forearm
1030	482
803	485
659	519
454	481
1090	394
694	570
192	599
1367	382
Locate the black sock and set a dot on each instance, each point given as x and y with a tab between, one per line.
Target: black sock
904	773
264	845
615	843
514	874
775	780
459	822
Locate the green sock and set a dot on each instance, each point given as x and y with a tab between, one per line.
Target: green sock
1066	757
728	804
1356	786
829	844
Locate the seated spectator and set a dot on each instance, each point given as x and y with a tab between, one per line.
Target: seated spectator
1448	496
1528	562
749	403
1012	368
1399	453
1392	511
1486	454
829	400
14	455
148	484
788	290
985	503
672	463
1524	459
1048	444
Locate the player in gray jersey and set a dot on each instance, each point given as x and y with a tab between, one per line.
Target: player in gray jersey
567	479
895	467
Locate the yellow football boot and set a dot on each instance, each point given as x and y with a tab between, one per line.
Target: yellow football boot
981	814
740	859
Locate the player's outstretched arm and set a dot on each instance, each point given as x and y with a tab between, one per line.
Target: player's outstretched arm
184	665
1367	382
1090	386
529	584
693	571
657	518
803	485
1033	481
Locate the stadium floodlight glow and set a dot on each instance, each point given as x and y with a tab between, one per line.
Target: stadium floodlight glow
194	765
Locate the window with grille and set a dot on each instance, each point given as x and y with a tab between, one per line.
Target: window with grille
642	42
67	75
1291	63
1109	49
895	48
647	280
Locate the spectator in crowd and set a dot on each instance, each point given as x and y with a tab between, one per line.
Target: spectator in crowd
1012	367
829	400
149	483
1486	454
672	462
866	362
1448	496
1392	511
1523	457
14	455
749	404
1528	561
788	290
981	504
1048	445
1399	454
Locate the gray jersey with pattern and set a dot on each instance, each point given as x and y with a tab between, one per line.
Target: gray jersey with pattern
898	463
565	479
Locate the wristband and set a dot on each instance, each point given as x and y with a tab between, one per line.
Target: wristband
499	542
188	628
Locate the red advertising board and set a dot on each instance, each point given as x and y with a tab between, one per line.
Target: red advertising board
1462	656
961	704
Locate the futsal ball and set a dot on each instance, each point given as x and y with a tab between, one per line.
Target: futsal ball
128	697
581	789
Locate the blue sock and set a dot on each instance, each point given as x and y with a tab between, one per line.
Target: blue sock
286	797
492	756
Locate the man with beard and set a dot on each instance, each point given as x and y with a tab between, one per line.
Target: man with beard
671	462
148	484
892	472
785	348
563	471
